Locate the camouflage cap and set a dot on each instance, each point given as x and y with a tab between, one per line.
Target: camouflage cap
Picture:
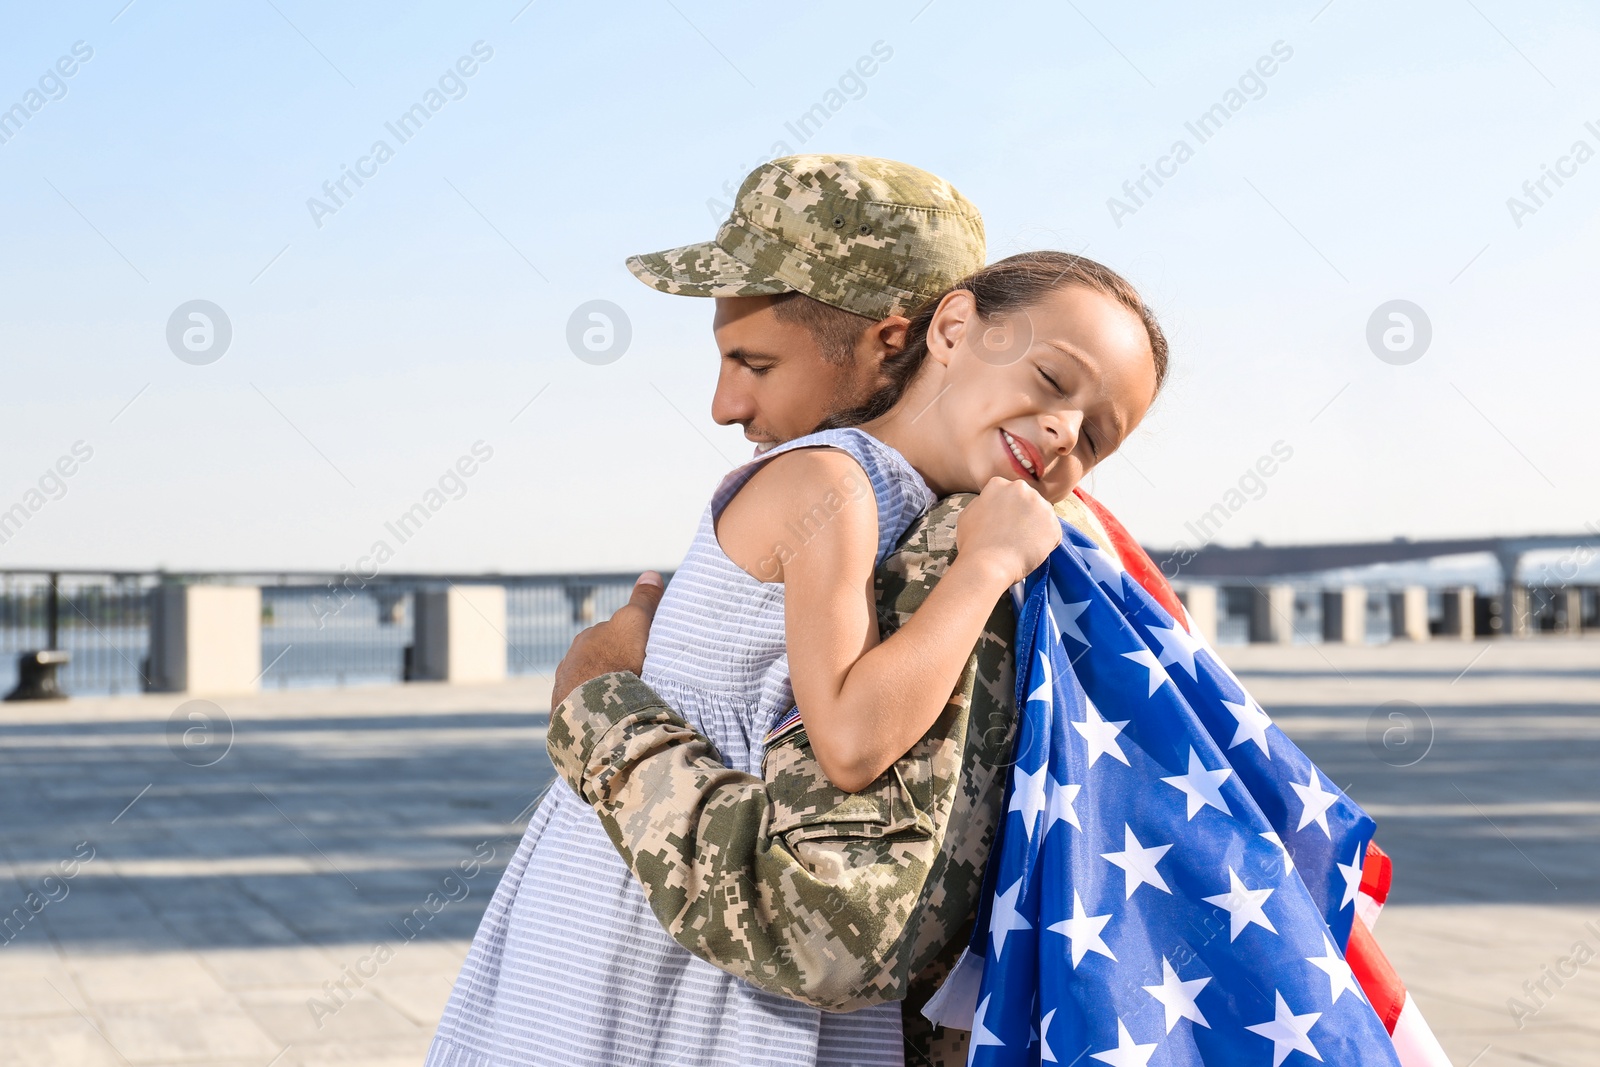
868	235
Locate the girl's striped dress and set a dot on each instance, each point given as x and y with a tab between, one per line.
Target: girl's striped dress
570	966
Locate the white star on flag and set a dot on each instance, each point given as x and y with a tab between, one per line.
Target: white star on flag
1101	736
1006	918
1338	971
981	1034
1147	659
1083	932
1046	1054
1126	1054
1253	723
1067	616
1288	1032
1177	997
1178	646
1317	801
1288	860
1242	905
1138	863
1044	690
1103	568
1352	878
1028	795
1058	804
1201	787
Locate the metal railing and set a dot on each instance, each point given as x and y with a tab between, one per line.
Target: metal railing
103	620
321	629
316	629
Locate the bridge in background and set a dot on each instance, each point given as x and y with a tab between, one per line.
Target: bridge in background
1269	561
1260	574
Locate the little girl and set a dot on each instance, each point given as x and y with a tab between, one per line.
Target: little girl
1012	385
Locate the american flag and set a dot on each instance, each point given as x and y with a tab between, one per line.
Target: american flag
1175	882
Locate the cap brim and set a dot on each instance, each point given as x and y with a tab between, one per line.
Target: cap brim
703	269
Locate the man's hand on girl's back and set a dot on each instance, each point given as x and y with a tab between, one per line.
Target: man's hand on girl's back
614	645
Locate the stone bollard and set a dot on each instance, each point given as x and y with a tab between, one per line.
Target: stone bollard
36	675
1460	613
1344	615
1272	614
1408	614
459	634
204	639
581	600
1201	603
391	602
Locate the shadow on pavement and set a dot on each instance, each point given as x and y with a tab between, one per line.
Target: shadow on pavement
307	831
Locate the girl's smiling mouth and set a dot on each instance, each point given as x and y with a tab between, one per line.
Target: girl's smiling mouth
1024	456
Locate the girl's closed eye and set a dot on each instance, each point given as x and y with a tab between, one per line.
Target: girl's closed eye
1088	437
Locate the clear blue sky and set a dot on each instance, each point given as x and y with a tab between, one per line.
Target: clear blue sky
368	354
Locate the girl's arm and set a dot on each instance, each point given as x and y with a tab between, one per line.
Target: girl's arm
809	520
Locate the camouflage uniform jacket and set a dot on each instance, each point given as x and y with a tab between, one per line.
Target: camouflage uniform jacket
836	899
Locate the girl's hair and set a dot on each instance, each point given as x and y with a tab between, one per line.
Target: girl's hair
1011	284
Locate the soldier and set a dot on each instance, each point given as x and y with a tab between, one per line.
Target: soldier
839	900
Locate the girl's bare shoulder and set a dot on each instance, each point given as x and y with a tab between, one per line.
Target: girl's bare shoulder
800	497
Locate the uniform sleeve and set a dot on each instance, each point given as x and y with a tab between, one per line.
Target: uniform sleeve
836	899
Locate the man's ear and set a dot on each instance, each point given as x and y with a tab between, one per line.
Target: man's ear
889	334
882	339
952	319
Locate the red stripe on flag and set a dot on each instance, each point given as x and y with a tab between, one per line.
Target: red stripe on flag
1384	990
1376	873
1136	559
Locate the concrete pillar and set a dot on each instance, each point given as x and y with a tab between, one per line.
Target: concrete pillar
1201	602
1408	613
204	639
1272	614
1569	609
1460	613
1344	615
1514	620
459	634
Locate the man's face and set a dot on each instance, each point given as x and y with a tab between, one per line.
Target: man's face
774	379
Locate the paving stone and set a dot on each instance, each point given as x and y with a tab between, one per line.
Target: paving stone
51	1042
164	1029
34	982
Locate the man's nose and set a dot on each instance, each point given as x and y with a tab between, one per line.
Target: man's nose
731	403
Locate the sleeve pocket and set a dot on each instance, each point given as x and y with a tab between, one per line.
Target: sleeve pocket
806	807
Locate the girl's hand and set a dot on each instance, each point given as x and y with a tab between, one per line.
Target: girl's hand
1009	527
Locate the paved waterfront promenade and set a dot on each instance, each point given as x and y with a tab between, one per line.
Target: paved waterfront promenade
352	837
